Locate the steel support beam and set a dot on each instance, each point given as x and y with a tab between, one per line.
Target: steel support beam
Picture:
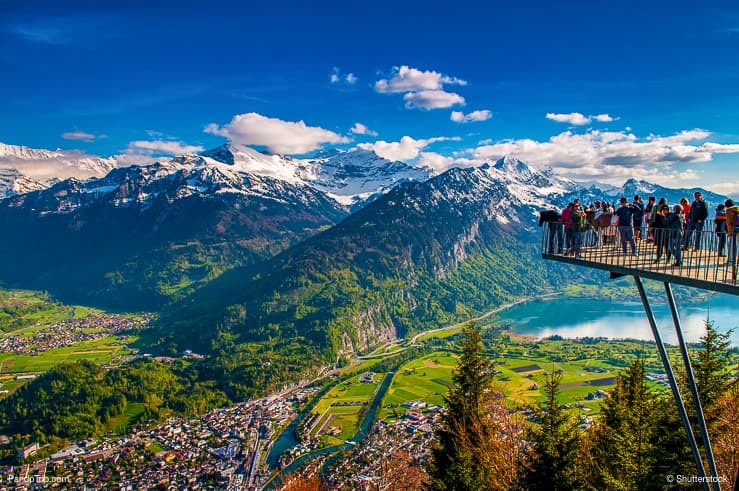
672	381
693	386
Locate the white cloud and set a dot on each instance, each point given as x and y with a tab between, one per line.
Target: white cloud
432	99
729	188
611	156
407	79
576	119
604	118
161	147
337	78
284	137
79	135
579	119
474	116
406	149
440	163
360	129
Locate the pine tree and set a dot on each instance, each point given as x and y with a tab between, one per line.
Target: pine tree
473	451
710	366
622	443
553	463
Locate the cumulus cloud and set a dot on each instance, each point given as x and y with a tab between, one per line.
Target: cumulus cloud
432	99
79	135
728	188
406	149
407	79
579	119
440	163
423	89
337	78
474	116
284	137
604	118
611	156
360	129
576	119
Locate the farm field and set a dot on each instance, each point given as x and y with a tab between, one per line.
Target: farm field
103	350
521	366
341	408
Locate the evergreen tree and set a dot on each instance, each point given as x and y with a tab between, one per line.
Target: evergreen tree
711	366
622	443
553	463
455	460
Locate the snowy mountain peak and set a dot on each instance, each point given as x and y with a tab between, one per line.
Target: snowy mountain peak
12	182
45	165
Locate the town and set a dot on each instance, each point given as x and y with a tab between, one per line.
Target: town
72	331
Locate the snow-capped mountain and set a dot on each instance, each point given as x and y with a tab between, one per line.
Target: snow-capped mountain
47	165
350	177
12	182
141	187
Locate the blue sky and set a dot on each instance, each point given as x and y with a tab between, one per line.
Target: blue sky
597	92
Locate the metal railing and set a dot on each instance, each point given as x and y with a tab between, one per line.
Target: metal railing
701	258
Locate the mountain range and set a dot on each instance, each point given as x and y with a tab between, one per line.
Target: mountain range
344	251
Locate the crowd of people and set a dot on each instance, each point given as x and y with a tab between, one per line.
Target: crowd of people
672	229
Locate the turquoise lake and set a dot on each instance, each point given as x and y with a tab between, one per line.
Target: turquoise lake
582	317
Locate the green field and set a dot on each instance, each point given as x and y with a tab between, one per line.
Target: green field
429	377
335	411
121	424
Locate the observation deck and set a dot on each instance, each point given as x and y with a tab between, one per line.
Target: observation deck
703	268
709	262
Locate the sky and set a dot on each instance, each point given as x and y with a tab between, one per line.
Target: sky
598	91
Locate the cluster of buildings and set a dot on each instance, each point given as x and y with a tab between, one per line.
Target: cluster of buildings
72	331
224	449
366	465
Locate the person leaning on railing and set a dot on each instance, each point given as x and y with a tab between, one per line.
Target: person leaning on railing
732	227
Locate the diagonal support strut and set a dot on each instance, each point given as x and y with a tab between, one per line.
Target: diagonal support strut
673	382
693	386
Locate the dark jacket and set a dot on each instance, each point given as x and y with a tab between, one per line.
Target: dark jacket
698	211
624	216
549	216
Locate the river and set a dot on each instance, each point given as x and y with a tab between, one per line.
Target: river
581	317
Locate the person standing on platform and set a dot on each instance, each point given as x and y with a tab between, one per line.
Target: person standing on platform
720	222
625	216
674	232
661	234
698	215
732	228
567	220
650	218
638	208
